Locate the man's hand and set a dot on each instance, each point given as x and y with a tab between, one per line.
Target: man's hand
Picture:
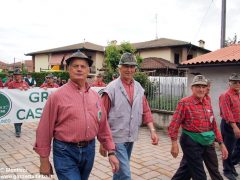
224	151
154	137
21	88
102	151
45	167
236	131
174	149
114	163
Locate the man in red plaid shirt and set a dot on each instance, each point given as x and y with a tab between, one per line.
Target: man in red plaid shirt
195	115
229	103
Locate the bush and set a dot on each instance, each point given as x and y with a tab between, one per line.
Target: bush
142	78
40	76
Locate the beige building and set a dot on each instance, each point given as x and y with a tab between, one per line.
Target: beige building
174	51
47	59
171	50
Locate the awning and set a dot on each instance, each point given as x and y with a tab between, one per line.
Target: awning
55	59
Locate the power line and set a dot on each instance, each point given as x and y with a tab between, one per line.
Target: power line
201	24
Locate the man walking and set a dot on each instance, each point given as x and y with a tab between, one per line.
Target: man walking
126	107
199	127
73	116
229	103
18	83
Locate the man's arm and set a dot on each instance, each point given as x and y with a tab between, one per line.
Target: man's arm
44	135
226	113
105	138
148	119
173	128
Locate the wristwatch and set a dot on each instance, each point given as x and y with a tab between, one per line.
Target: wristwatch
112	153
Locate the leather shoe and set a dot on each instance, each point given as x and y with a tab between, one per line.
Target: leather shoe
234	172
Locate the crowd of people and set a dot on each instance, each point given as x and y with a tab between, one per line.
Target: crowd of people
50	81
75	115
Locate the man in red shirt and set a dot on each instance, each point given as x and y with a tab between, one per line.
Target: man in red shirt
18	83
229	103
73	116
99	81
9	79
195	115
49	82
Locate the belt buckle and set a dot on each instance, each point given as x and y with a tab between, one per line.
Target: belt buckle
82	144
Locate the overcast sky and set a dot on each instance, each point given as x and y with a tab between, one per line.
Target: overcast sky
34	25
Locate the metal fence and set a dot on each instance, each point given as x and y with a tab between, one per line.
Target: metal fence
163	93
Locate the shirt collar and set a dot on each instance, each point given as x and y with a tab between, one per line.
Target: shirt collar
197	101
233	91
125	82
76	86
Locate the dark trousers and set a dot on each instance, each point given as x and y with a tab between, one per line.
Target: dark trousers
17	127
192	162
230	142
236	153
211	162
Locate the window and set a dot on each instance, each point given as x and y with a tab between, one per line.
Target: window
190	56
176	58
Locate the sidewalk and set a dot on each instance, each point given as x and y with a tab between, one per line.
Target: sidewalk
148	161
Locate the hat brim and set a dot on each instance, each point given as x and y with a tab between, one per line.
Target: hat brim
199	83
129	63
234	79
89	61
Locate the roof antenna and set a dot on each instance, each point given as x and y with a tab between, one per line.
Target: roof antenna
156	18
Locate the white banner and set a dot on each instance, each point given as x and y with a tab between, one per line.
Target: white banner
22	106
18	106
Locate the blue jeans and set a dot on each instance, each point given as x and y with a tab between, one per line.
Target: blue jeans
72	162
123	153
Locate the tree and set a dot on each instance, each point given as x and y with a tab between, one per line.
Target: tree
231	41
113	54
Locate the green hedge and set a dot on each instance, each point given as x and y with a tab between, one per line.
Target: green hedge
40	76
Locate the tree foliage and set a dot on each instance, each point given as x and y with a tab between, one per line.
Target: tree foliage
231	41
113	55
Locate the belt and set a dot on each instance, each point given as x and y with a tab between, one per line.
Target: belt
80	144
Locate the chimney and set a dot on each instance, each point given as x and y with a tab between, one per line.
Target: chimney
201	43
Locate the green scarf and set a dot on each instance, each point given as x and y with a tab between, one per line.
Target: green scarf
204	138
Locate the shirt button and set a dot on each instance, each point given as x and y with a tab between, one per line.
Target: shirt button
88	127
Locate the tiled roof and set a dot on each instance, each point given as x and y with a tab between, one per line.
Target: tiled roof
162	42
156	63
85	45
227	54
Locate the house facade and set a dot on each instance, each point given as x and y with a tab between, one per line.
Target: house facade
216	66
174	51
46	59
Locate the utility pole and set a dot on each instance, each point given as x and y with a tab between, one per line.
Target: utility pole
14	64
223	23
156	16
